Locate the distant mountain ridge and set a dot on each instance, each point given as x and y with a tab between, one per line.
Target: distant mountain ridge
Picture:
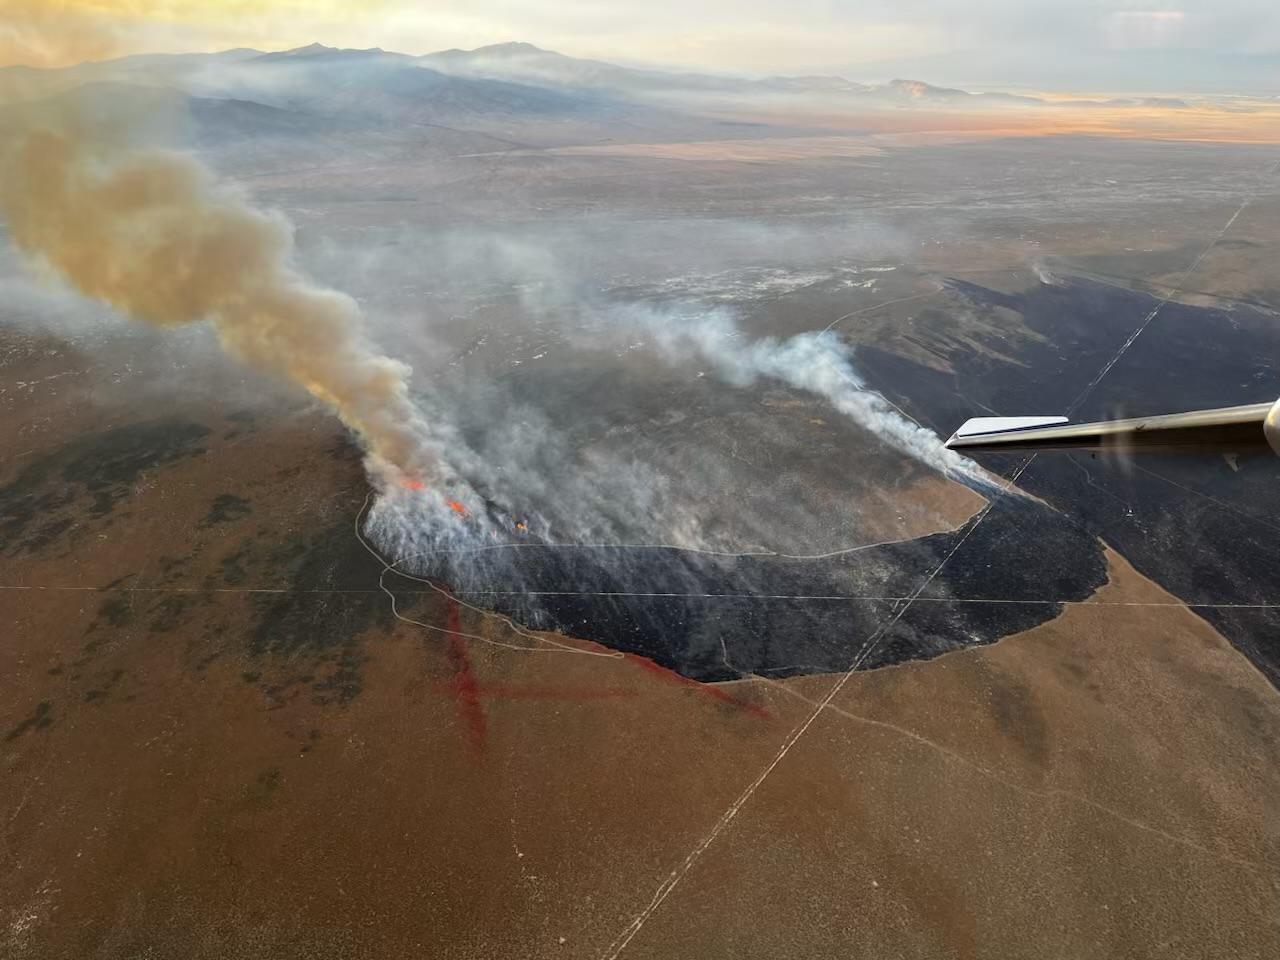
318	51
501	96
256	109
529	65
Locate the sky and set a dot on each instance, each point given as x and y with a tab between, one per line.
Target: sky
1070	44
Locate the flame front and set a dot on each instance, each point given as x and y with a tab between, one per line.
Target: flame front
413	483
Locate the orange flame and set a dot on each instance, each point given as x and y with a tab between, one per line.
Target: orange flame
410	483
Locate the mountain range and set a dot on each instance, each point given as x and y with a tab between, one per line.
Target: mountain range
517	77
490	98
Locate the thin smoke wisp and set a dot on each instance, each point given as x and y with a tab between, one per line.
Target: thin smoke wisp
816	362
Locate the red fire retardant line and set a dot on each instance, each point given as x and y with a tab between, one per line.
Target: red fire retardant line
466	690
710	690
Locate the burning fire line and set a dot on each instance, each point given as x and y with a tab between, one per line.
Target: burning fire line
412	483
495	513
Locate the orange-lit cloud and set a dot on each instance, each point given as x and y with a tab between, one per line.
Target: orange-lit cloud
54	33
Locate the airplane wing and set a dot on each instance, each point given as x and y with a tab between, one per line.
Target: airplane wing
1223	429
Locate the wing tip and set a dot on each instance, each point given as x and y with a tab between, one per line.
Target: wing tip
987	427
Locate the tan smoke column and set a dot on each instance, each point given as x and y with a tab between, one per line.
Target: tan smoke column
151	232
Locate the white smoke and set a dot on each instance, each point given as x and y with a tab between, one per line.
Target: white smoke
817	362
1044	274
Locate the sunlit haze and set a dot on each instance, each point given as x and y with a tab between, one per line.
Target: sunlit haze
1193	45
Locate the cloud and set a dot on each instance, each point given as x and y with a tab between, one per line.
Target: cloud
54	33
1144	29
